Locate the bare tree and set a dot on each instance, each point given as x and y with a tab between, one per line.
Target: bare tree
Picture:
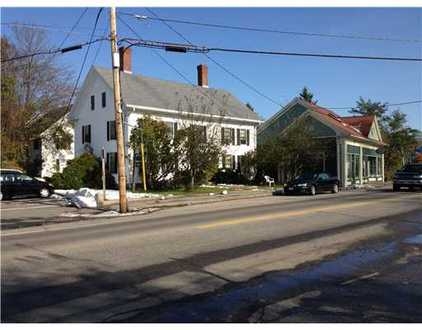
35	90
200	145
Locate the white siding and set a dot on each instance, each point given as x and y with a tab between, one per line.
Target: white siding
50	154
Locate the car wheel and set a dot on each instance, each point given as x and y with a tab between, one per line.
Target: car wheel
396	187
5	197
335	189
313	190
44	193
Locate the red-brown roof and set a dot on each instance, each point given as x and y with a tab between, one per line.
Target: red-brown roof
362	123
356	126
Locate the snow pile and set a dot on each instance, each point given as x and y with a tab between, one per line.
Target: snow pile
85	197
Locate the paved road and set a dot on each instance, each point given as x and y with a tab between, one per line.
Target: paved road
29	212
113	270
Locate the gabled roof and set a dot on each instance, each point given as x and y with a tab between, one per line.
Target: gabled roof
334	119
145	91
356	128
362	123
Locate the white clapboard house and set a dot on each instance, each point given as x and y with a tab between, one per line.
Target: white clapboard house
174	103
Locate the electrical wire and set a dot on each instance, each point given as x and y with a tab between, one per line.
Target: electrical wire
63	29
267	30
170	65
218	64
84	59
191	48
54	51
386	104
73	27
156	53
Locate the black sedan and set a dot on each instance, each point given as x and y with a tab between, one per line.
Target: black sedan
312	183
15	183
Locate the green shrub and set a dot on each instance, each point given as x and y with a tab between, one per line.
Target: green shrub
82	171
229	176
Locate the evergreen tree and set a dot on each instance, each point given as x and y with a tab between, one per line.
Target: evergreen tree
307	95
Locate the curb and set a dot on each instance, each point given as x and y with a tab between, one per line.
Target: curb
223	198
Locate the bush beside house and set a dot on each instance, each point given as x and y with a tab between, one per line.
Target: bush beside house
82	171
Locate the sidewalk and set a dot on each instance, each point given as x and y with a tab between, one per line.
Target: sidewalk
195	199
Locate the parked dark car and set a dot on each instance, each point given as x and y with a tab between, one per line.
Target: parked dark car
15	183
409	176
312	183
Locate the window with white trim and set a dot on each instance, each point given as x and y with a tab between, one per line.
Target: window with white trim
112	162
86	134
227	135
242	136
111	130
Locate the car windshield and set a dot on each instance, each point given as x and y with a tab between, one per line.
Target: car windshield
307	176
413	168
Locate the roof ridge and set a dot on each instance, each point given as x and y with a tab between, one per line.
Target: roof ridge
138	75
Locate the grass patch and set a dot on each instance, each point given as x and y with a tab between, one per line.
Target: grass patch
181	191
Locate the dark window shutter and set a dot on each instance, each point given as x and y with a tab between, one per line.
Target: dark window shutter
222	135
103	99
108	131
232	134
238	136
233	161
247	137
115	162
83	134
174	128
89	134
92	102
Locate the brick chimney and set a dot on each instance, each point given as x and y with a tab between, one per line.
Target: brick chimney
202	75
125	59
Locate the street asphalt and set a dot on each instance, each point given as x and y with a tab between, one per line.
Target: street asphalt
208	259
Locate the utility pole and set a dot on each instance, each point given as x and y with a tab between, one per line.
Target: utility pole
144	181
103	172
118	113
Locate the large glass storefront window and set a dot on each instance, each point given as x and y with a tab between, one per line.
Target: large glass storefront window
371	163
353	163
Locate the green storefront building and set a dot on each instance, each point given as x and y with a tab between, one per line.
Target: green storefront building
355	143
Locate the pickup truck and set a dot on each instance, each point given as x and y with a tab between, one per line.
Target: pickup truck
409	176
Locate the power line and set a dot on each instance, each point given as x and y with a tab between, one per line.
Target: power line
49	27
387	104
157	53
54	51
200	90
267	30
84	59
356	57
73	27
190	48
218	64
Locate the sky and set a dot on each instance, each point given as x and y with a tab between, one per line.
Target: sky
334	82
